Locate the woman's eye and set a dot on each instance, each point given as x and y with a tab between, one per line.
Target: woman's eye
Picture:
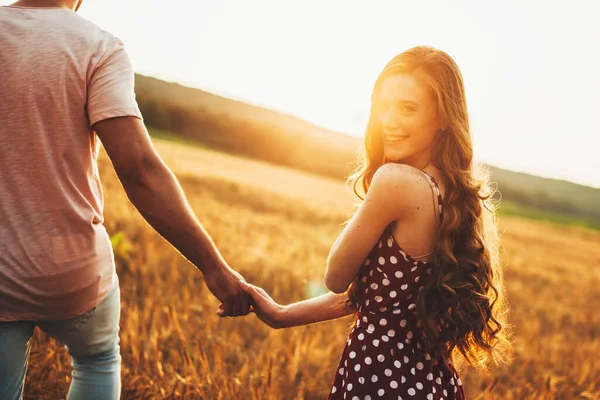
383	107
407	109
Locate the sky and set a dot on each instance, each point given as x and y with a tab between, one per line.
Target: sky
531	69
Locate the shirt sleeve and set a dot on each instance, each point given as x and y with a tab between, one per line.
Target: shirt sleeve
111	87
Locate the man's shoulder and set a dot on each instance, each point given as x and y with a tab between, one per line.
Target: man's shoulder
87	38
60	23
91	30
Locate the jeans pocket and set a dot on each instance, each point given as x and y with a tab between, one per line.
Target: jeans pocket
75	323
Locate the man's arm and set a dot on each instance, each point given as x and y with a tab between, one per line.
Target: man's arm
155	192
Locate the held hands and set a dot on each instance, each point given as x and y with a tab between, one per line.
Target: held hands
266	309
224	285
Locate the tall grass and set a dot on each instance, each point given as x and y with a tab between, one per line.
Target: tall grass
275	226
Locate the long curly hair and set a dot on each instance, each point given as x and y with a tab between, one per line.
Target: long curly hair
463	309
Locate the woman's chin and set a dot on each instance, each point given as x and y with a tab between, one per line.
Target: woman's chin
393	157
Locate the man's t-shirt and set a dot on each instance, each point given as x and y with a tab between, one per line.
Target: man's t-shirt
59	74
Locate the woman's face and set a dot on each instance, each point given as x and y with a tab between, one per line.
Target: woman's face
408	116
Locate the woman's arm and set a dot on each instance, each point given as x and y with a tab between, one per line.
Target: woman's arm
392	196
322	308
318	309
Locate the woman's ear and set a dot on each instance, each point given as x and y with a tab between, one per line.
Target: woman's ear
443	123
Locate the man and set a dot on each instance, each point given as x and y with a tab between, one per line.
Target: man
64	83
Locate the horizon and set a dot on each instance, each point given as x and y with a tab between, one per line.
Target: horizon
530	109
360	137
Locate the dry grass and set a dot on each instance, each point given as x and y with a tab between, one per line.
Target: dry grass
275	226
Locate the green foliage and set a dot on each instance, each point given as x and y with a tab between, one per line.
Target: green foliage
516	209
121	246
549	199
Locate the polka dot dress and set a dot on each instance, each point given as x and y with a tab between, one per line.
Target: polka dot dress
384	357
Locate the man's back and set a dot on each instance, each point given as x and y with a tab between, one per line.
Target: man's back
59	75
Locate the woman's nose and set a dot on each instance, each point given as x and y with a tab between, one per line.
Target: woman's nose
391	118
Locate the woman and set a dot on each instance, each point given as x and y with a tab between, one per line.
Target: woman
417	263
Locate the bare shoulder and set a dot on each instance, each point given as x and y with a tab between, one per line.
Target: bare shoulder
400	186
398	179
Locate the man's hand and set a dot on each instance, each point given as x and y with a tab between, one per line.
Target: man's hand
224	285
266	309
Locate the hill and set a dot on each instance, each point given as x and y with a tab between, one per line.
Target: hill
244	129
228	125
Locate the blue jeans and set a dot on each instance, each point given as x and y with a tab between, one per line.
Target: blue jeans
92	340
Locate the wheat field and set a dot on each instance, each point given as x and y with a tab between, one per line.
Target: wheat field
275	226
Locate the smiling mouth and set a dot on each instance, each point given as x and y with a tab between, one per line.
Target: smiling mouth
395	138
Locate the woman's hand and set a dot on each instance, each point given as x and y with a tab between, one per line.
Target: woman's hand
265	308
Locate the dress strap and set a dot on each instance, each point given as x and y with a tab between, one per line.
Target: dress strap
437	195
437	205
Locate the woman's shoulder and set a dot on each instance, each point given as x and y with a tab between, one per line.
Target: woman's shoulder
402	177
403	185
